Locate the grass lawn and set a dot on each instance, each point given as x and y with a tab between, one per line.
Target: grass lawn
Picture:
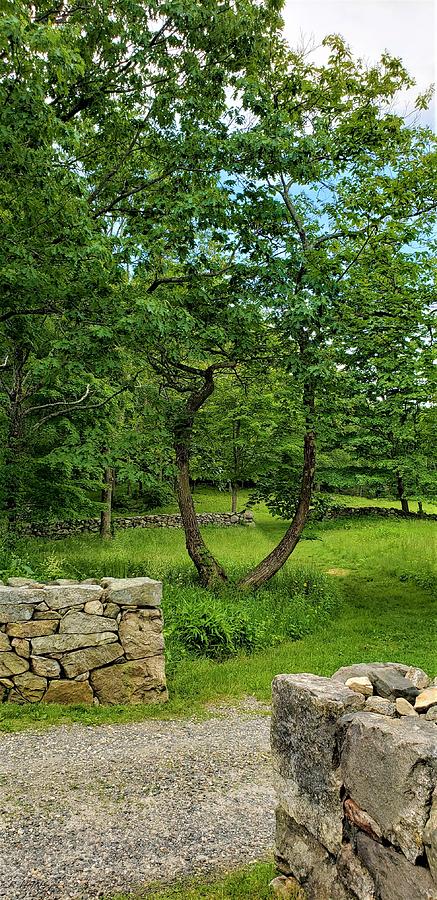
384	572
250	883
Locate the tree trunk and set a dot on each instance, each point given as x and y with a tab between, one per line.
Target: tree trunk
404	502
234	501
420	507
276	559
208	568
106	513
210	571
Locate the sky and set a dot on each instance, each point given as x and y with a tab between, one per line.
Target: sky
406	28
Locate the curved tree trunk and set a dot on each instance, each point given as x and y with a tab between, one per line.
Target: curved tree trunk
210	571
208	568
276	559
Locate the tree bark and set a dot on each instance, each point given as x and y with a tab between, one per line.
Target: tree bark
234	497
276	559
210	571
404	502
106	513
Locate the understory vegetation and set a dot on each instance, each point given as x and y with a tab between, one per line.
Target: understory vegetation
355	590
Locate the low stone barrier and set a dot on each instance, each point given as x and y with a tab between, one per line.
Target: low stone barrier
355	762
386	512
79	526
88	642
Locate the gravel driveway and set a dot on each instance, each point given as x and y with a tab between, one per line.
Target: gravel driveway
87	811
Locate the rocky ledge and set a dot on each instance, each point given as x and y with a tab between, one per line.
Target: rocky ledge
355	762
88	642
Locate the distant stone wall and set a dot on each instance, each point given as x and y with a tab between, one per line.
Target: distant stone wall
355	762
79	526
386	512
89	642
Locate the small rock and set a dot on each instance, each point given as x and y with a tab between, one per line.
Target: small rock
21	647
417	677
391	684
361	819
431	714
111	610
426	698
94	608
47	668
31	687
404	708
360	685
4	642
285	887
379	705
68	692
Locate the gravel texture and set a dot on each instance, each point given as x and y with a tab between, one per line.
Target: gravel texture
89	811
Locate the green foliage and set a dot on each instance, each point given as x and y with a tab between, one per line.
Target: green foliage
250	883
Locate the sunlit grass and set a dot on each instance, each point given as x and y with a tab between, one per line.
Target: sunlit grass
386	610
250	883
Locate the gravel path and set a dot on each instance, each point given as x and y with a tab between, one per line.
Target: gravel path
88	811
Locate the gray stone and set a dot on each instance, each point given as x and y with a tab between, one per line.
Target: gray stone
136	681
32	629
417	677
68	692
94	608
82	623
389	768
112	610
14	612
430	839
21	647
5	643
91	658
395	878
306	859
363	669
133	591
23	582
31	687
47	614
55	644
354	875
285	887
379	705
141	633
47	668
426	699
391	684
305	719
61	596
11	664
404	708
431	714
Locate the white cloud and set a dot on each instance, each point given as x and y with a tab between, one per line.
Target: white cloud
406	28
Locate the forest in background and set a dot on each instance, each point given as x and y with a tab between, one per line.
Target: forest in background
218	265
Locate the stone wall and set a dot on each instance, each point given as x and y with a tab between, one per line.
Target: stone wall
355	762
79	526
89	642
357	512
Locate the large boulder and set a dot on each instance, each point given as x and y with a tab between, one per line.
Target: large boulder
61	596
300	854
306	713
389	768
141	633
394	876
136	681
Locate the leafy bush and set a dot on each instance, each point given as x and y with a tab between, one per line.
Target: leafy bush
199	623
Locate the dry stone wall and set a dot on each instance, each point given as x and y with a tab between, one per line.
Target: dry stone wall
80	526
89	642
355	762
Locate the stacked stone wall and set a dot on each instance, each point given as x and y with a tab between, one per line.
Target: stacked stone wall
355	762
89	642
80	526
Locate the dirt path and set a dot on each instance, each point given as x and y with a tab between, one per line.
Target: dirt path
88	811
